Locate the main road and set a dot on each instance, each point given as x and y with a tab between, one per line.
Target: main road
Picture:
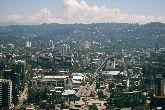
85	91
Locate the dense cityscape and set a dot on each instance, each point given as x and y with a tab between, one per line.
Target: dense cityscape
98	66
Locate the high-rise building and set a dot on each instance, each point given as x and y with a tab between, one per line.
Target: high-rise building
28	44
5	94
159	85
159	92
51	44
2	60
86	45
65	50
19	67
9	74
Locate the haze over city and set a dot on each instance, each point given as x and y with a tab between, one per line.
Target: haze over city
82	55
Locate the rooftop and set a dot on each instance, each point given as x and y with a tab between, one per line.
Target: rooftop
110	72
5	81
69	92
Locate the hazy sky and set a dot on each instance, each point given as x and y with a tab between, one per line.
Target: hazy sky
82	11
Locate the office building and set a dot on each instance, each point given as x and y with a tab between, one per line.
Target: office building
65	50
28	44
5	94
159	85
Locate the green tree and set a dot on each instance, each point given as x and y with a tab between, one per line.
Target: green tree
93	107
101	95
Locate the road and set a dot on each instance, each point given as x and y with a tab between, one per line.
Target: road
85	91
23	95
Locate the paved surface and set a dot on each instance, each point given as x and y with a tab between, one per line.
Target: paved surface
85	91
23	95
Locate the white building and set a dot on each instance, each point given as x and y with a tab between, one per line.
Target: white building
97	62
86	45
28	44
77	79
110	73
65	50
51	44
57	83
11	46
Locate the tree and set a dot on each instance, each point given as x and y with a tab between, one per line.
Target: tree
93	107
101	95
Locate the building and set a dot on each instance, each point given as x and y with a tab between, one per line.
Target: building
28	44
57	83
158	99
96	62
110	64
100	104
76	80
105	77
19	67
2	60
65	50
159	85
14	77
87	45
5	94
11	46
51	44
64	60
70	95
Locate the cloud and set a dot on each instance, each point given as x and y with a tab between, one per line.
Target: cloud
13	17
43	16
78	11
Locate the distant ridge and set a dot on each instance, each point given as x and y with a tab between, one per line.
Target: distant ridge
8	23
16	23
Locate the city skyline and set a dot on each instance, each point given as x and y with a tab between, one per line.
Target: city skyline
82	11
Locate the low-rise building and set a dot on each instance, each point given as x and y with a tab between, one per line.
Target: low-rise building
58	83
77	79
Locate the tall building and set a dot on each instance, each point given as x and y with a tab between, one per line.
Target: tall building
5	94
19	67
2	60
159	92
86	45
65	50
159	85
110	63
51	44
9	74
28	44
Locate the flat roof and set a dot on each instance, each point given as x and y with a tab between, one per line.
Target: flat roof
110	72
68	92
78	77
55	77
93	101
50	77
5	81
78	74
79	103
74	81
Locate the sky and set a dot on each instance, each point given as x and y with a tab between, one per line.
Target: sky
82	11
